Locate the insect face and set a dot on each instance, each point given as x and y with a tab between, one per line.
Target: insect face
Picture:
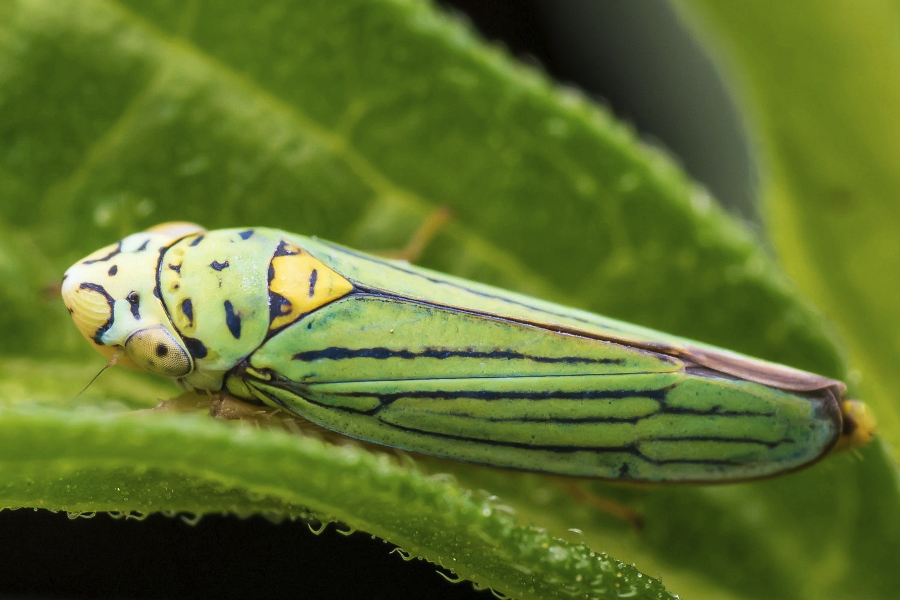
114	309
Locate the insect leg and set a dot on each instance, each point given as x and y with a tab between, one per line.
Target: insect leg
423	236
229	408
186	402
577	490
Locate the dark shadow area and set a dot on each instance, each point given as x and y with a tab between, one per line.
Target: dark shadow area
48	555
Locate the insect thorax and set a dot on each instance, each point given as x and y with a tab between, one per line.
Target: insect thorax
228	291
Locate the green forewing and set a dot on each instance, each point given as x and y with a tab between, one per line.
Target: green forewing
409	281
369	338
442	366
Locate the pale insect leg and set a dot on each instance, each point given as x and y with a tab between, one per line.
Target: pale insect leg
423	236
576	489
186	402
229	408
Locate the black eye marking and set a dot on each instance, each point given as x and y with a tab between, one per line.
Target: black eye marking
161	350
187	308
197	240
115	251
112	270
282	250
312	282
143	246
135	301
245	235
218	266
233	320
195	347
176	268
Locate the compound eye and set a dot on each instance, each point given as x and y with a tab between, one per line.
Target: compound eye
156	350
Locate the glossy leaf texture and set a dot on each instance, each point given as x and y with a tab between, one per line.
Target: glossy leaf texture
353	121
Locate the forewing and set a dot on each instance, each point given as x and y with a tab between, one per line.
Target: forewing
477	388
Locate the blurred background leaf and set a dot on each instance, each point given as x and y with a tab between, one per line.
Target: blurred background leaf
352	121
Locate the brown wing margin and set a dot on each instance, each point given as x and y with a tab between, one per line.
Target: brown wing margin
760	371
725	362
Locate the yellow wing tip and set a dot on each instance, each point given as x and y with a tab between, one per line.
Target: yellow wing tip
859	425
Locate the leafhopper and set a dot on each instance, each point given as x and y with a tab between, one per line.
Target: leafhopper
401	356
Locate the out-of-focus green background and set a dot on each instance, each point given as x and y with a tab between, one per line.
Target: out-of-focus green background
353	121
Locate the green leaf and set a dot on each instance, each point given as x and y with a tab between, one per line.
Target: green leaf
352	121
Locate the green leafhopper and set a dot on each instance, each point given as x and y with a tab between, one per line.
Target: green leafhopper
405	357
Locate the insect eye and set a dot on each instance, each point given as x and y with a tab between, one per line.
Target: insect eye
156	350
133	297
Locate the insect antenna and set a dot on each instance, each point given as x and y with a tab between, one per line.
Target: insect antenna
112	361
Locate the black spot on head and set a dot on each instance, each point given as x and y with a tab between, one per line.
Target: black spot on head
233	320
218	266
176	268
135	301
115	251
161	350
197	240
195	347
245	235
187	307
112	270
143	246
